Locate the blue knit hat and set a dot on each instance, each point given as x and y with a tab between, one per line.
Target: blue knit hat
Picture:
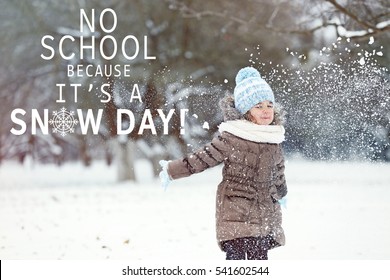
250	90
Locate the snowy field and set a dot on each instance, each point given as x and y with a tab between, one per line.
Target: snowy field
335	211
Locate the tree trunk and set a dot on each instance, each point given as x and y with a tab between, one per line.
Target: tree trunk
124	155
84	153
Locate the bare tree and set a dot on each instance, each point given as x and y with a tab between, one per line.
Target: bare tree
352	19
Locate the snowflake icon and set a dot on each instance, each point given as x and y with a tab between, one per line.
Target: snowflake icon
63	122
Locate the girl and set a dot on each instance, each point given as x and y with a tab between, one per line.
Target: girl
248	212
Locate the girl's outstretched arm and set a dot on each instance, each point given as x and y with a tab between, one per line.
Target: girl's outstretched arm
210	155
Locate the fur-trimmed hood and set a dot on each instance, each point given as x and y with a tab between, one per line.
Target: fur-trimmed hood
230	112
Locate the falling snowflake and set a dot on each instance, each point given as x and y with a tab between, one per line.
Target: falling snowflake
63	122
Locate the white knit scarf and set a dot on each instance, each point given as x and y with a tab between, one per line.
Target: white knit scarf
247	130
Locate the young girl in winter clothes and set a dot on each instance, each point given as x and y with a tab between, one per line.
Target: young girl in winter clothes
248	212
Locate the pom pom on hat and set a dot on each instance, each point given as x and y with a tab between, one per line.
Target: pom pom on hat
245	73
250	90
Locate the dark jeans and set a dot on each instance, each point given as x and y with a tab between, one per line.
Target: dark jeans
250	248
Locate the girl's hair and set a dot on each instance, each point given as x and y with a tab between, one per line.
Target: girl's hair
231	113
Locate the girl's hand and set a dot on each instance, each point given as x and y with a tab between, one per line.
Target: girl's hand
164	176
283	202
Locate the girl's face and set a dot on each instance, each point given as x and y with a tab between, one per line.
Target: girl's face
262	113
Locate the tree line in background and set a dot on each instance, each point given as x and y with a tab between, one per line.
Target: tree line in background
325	61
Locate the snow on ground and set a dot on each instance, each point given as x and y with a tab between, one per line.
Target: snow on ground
335	211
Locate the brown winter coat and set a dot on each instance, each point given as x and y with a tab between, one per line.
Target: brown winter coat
253	180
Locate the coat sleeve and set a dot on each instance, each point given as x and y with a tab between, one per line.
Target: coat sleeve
210	155
281	185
